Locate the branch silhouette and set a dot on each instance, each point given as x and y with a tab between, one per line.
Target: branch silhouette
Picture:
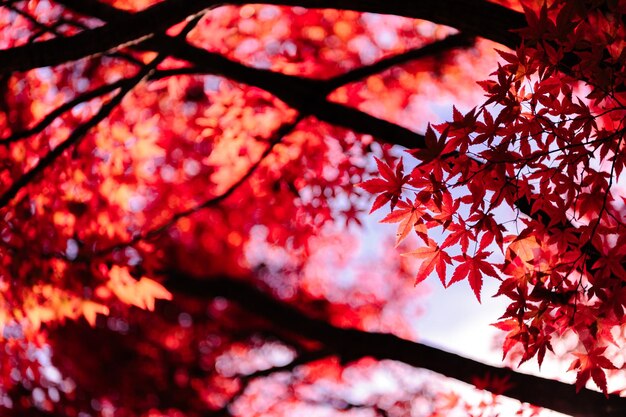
351	344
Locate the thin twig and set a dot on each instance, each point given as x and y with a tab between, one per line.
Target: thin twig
282	131
459	40
78	134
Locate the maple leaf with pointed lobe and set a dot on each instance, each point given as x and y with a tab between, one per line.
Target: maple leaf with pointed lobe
434	146
515	329
432	258
410	218
591	365
459	234
389	186
473	268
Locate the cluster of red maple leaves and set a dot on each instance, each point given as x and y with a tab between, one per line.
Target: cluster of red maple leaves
533	174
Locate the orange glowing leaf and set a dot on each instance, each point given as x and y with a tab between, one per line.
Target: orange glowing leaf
91	311
142	293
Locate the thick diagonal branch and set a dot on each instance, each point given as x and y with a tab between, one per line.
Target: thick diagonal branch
475	17
352	344
125	30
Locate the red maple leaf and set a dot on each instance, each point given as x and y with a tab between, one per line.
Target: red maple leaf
591	365
389	186
432	257
473	268
409	217
434	146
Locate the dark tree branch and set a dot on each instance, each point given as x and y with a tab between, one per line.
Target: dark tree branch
76	134
124	31
448	44
85	97
67	106
329	85
343	405
351	344
474	17
54	30
306	95
245	380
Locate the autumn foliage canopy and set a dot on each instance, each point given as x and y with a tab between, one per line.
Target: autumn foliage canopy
186	190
